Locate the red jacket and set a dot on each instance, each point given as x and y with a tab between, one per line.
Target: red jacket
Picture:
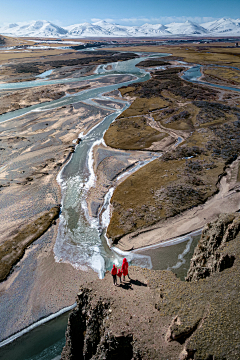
119	274
114	270
125	267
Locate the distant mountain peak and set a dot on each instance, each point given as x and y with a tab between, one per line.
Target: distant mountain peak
103	28
12	25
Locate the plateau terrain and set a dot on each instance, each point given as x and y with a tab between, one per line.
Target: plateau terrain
102	159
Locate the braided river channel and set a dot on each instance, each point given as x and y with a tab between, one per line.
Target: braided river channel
81	239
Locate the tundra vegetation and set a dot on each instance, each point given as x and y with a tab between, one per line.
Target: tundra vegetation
198	318
184	176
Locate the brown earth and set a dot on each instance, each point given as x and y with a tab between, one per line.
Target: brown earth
194	53
12	250
33	149
24	68
183	177
155	315
20	99
14	100
221	75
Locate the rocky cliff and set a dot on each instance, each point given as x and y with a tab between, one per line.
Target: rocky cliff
157	316
87	334
211	255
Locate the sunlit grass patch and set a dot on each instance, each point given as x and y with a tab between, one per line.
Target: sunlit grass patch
132	134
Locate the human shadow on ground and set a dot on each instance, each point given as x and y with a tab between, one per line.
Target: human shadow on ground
128	285
137	283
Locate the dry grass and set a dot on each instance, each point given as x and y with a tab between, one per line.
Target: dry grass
12	250
162	189
132	134
222	75
13	41
130	131
20	55
172	119
185	177
206	54
142	106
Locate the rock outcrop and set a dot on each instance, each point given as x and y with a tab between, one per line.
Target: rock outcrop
87	336
211	254
158	316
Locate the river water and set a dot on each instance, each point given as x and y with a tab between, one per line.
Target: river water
194	73
81	239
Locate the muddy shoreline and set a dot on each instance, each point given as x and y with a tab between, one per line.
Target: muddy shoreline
38	145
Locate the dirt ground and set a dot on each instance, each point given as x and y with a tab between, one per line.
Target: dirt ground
33	149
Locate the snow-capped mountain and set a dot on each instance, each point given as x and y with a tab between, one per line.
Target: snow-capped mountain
43	28
103	28
153	30
86	29
223	26
186	28
40	28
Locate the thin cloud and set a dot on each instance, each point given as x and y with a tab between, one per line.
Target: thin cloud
166	19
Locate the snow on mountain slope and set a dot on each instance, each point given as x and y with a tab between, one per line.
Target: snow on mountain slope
187	28
154	30
43	28
102	28
86	29
223	25
115	29
40	28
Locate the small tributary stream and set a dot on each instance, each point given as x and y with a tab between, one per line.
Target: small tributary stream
81	239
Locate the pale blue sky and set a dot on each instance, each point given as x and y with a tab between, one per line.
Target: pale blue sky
125	12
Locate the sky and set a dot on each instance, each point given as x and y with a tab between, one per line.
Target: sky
124	12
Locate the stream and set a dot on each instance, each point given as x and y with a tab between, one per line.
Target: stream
81	239
194	73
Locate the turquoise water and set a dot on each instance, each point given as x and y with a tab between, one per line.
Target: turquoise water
194	73
78	240
82	241
42	343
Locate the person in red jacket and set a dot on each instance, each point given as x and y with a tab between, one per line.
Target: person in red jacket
119	274
114	274
125	269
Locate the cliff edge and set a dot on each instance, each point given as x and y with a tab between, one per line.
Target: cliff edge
155	315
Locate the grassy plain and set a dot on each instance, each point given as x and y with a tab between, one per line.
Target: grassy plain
131	130
222	75
186	176
195	53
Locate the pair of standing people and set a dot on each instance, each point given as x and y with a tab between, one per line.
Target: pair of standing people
123	271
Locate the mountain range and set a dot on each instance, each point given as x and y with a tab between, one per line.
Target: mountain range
43	28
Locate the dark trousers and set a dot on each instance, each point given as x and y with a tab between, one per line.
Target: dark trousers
127	276
114	279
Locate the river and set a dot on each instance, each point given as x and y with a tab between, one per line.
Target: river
81	239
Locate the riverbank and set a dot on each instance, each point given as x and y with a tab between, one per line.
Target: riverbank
155	315
225	201
37	145
185	177
29	187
